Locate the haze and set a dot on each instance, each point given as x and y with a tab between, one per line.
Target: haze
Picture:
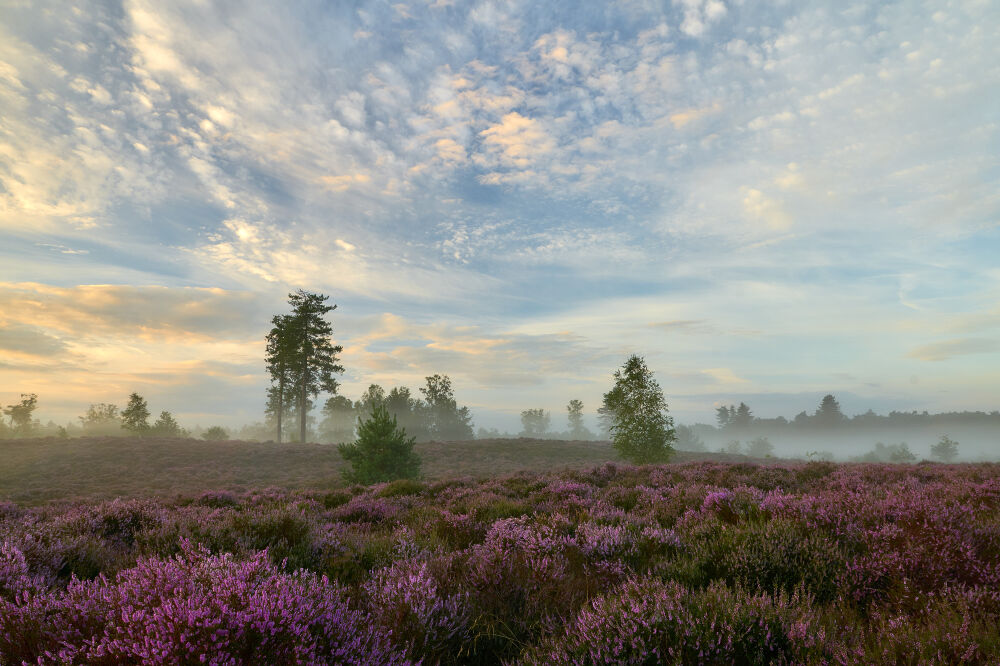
770	202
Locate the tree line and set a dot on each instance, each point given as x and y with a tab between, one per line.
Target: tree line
829	416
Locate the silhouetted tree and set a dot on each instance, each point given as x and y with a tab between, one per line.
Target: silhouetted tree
743	417
374	396
19	414
447	421
102	418
167	426
641	431
339	416
135	416
535	422
722	416
215	434
829	415
760	447
301	356
688	439
574	417
279	358
382	451
411	413
946	450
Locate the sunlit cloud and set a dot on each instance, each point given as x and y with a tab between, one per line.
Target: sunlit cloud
789	198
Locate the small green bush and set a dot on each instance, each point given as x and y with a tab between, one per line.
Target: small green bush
382	451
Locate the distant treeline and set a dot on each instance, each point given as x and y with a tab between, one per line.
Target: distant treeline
828	416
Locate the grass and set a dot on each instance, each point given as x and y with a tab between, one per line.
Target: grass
34	471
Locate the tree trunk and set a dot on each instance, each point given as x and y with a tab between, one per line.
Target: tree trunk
302	407
281	401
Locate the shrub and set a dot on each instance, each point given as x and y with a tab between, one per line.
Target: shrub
215	434
382	451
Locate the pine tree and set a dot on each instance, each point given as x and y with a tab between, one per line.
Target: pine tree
641	430
301	357
829	415
135	416
382	452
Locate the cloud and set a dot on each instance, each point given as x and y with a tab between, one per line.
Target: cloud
947	349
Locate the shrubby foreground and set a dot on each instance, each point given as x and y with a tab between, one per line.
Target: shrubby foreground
693	563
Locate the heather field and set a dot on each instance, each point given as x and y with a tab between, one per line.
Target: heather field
685	563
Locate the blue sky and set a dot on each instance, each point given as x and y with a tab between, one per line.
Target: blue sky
770	201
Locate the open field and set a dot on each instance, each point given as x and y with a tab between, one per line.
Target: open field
682	564
39	470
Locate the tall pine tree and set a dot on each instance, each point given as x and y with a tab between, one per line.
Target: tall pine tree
301	357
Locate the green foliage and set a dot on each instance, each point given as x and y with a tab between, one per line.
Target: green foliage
19	414
535	422
215	434
135	416
946	450
401	487
382	452
301	357
641	430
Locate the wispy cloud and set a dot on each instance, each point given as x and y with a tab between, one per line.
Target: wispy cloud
815	183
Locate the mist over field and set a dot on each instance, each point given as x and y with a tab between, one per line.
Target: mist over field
500	332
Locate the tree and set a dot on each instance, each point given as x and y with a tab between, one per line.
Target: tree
373	396
279	358
574	417
641	430
410	412
339	416
535	422
215	434
900	453
946	450
743	417
19	414
382	451
829	415
301	357
166	426
760	447
101	418
135	416
688	439
722	416
447	421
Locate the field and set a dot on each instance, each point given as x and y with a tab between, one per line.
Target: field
39	470
697	562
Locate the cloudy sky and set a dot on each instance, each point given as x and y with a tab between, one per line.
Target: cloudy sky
768	200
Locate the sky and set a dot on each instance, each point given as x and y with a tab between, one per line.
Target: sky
769	201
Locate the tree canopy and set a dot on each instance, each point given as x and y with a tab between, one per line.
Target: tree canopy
641	430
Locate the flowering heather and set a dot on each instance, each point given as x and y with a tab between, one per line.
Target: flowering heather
694	563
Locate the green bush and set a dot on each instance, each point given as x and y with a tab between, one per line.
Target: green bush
382	451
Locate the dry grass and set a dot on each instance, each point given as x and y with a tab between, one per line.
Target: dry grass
39	470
